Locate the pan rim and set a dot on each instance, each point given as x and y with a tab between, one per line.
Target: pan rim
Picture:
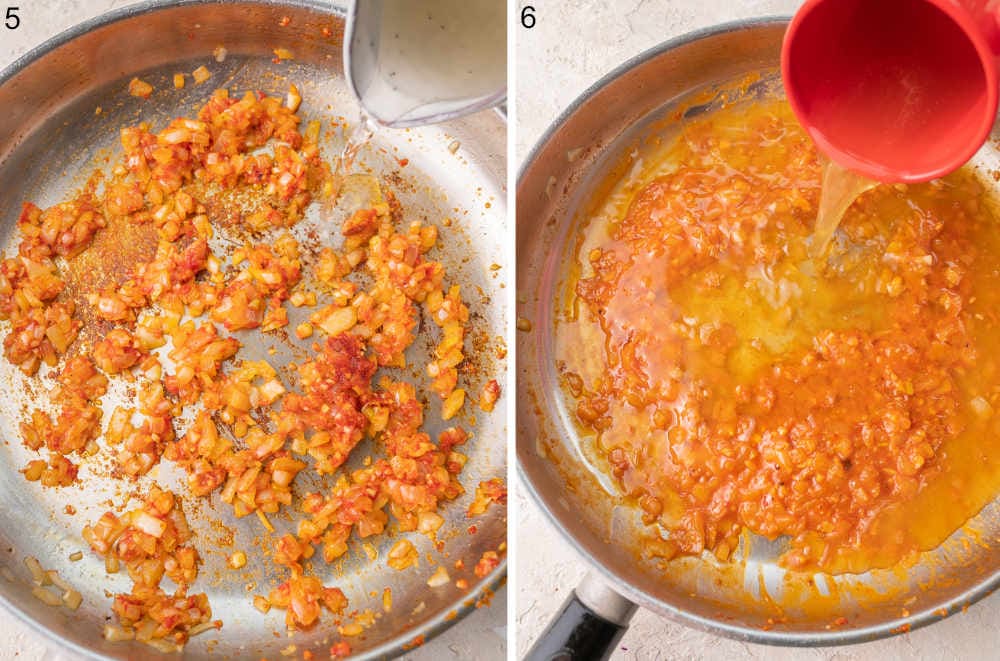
429	629
626	588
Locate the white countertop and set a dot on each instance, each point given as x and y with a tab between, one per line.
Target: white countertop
481	635
572	46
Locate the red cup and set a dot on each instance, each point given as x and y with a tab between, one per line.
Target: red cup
896	90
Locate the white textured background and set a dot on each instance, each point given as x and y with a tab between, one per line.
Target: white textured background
482	635
572	45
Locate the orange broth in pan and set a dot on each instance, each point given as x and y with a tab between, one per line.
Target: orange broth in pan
730	380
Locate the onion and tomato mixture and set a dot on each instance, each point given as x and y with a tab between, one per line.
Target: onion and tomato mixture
843	402
121	282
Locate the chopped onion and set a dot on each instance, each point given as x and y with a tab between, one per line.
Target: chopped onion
429	522
981	407
353	629
201	74
150	524
116	634
439	577
72	599
261	604
58	581
201	628
45	596
453	404
335	321
293	98
271	390
140	88
162	645
402	555
264	520
237	560
38	574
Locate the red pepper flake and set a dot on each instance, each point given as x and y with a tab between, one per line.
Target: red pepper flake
327	32
941	612
473	529
905	628
340	650
403	162
285	21
416	642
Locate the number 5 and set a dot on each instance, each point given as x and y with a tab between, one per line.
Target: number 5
12	20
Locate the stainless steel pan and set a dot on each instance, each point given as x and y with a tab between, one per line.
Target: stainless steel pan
50	137
756	600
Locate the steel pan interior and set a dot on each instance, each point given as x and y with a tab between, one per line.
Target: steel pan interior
50	138
607	121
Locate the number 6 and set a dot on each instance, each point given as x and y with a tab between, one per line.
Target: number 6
528	17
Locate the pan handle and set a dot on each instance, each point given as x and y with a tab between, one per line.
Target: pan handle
587	628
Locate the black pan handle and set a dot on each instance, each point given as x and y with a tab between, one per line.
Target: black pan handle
587	628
